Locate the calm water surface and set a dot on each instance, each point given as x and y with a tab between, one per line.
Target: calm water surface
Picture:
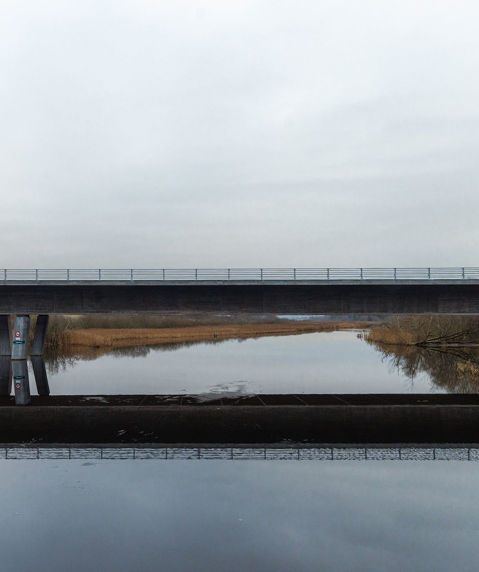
238	515
336	362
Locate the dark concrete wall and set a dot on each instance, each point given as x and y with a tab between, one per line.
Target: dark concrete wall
264	298
240	425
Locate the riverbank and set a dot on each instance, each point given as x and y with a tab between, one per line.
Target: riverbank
427	331
109	337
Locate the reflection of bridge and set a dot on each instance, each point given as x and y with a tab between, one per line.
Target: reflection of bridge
426	452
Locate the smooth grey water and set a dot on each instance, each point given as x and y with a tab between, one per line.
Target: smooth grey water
238	515
336	362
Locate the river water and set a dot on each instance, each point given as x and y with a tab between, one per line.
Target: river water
232	515
333	362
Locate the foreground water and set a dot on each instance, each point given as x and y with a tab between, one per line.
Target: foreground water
336	362
236	515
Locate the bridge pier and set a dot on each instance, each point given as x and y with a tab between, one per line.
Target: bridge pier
5	335
21	383
40	335
5	375
21	331
40	373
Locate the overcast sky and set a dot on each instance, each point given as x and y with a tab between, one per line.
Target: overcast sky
149	133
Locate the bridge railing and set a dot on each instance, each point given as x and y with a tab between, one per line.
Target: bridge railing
254	274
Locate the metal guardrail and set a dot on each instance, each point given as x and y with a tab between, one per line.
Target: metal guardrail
325	453
259	274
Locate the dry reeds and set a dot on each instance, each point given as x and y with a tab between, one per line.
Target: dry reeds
98	337
427	331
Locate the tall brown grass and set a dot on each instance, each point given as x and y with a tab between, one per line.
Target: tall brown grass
60	327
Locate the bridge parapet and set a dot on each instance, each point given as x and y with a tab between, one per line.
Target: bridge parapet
238	274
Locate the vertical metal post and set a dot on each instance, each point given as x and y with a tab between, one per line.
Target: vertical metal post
395	273
5	274
463	273
294	273
20	380
361	270
327	273
99	274
196	273
68	274
20	337
261	273
429	274
229	273
131	274
36	274
163	273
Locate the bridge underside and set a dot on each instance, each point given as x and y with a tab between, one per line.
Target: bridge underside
339	298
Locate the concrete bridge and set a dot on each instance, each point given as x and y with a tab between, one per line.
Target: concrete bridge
229	291
274	420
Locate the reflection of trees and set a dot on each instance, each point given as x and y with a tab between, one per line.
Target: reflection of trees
58	360
455	369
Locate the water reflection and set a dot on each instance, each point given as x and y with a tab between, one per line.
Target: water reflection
336	362
61	360
451	368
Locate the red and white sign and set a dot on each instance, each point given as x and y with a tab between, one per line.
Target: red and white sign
18	385
17	334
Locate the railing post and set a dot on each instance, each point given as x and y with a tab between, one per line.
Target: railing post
361	270
294	273
327	273
229	273
36	274
429	274
261	273
99	274
395	273
131	274
5	274
163	273
463	273
68	274
196	273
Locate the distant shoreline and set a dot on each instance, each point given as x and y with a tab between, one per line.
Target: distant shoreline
109	337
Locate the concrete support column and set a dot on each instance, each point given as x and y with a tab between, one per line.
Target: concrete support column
5	335
20	381
40	373
21	329
5	375
40	335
